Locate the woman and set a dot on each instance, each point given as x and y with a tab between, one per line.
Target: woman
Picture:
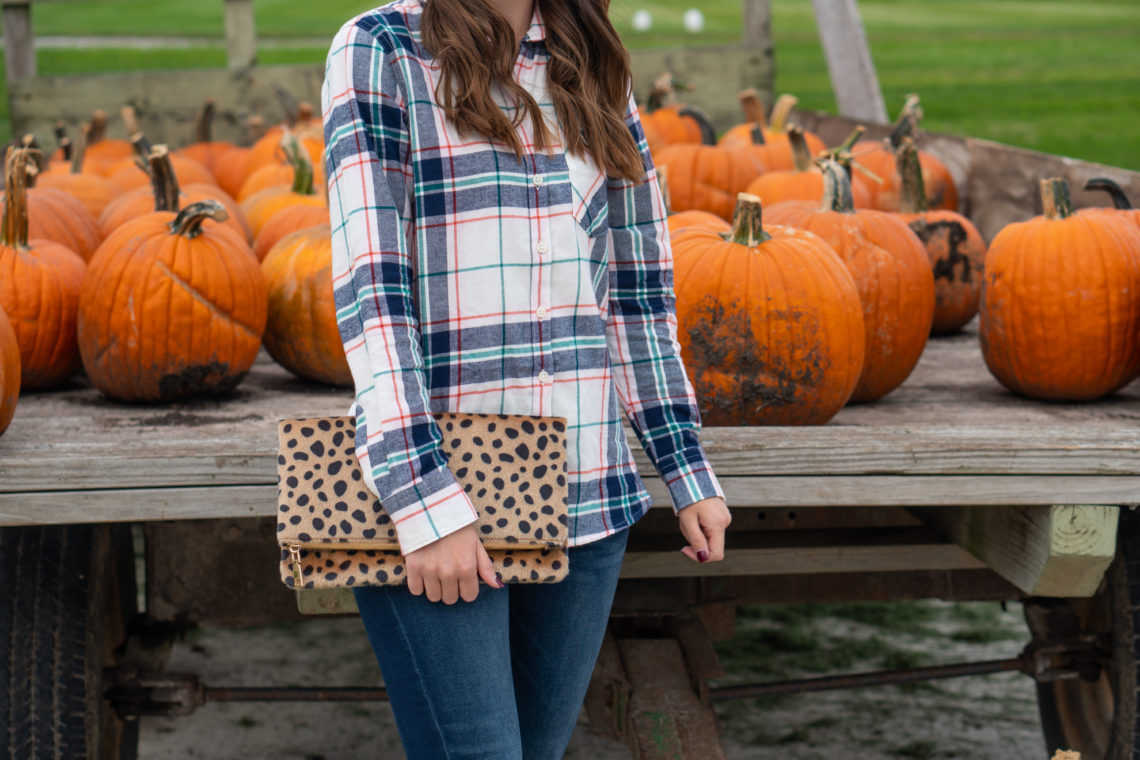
499	246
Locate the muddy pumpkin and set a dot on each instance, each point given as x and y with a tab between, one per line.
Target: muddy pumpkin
1060	319
171	310
891	271
779	343
956	249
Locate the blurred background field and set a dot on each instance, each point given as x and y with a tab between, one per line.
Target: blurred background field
1059	77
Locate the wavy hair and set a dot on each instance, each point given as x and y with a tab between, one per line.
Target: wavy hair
588	78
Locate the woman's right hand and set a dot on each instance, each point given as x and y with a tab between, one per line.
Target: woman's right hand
449	568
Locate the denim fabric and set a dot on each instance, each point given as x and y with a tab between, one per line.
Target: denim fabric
500	678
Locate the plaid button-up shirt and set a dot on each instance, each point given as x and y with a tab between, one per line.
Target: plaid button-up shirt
468	280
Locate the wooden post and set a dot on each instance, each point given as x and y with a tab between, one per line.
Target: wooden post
241	34
758	23
19	41
849	61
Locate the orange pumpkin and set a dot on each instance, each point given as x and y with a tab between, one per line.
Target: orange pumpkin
54	215
694	218
803	183
9	372
287	221
879	158
1120	202
268	151
671	123
205	150
260	207
171	309
955	247
1059	314
302	333
164	194
39	288
891	270
103	153
780	341
769	141
127	176
708	177
94	191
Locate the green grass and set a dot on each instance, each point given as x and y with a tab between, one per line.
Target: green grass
1059	77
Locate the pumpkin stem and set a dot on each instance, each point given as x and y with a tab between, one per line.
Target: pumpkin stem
708	131
663	183
1119	199
298	157
79	153
131	120
305	111
912	194
98	127
189	221
849	142
662	94
841	153
30	142
752	107
800	153
747	228
14	226
907	123
836	188
778	122
1055	198
757	135
289	105
162	179
204	123
63	140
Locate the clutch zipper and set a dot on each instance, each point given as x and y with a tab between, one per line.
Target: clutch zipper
295	547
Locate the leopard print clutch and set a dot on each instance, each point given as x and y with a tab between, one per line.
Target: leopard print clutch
334	534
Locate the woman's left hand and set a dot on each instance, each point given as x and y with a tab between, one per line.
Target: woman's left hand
703	524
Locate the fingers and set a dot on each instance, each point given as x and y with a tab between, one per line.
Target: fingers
487	568
415	580
698	548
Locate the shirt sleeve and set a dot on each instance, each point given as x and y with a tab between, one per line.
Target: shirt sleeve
367	157
642	334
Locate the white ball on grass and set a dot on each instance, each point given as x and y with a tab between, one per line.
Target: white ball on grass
694	20
642	21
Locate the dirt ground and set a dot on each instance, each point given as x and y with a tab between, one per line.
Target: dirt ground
980	718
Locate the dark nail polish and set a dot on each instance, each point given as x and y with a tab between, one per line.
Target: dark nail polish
703	556
499	578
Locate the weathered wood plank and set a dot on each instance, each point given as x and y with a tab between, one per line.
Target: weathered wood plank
853	77
118	504
241	34
1044	551
19	42
757	23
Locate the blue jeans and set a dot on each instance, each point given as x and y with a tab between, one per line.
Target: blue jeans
500	678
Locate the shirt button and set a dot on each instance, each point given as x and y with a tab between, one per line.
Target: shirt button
538	180
544	377
542	247
540	312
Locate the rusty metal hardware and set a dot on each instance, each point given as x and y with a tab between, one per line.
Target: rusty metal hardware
1057	660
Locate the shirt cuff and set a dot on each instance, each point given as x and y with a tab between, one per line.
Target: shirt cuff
429	509
689	478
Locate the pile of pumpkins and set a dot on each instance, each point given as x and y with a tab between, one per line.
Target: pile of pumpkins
860	257
161	273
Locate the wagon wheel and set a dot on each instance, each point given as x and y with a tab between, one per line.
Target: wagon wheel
1097	717
68	592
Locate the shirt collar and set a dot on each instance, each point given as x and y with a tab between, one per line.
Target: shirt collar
537	30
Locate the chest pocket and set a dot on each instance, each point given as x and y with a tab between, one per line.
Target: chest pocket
589	199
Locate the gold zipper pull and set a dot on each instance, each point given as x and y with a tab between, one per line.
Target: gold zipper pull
295	556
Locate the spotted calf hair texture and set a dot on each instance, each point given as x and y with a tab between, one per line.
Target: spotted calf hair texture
513	468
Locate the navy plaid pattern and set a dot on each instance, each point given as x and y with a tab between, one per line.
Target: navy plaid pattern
467	280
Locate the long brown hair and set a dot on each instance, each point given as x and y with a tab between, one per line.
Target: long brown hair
588	77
